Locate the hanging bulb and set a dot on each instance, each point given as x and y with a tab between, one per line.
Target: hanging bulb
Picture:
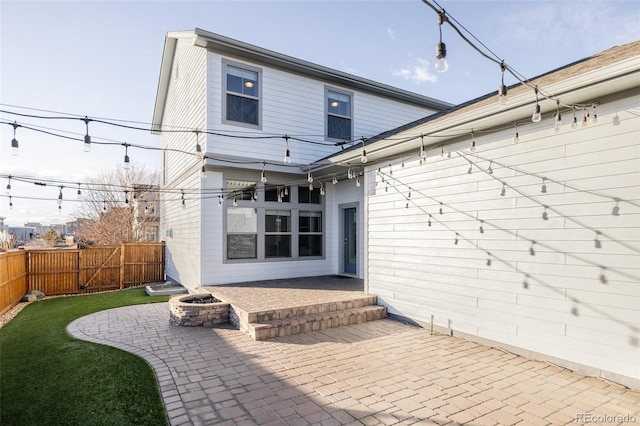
423	152
127	163
585	119
59	209
537	116
490	169
79	193
183	201
311	187
334	180
358	182
60	196
15	147
254	197
558	117
8	189
616	120
516	137
286	190
126	197
594	117
441	151
574	123
235	203
10	203
263	176
545	215
363	158
219	200
441	49
321	189
349	174
87	139
199	152
502	90
504	190
309	176
473	142
544	186
287	154
203	172
104	206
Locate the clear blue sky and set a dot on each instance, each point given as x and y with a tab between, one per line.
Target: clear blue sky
102	59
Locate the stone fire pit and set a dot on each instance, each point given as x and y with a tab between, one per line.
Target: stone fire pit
198	310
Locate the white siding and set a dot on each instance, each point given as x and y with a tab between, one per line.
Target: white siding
568	311
185	108
295	105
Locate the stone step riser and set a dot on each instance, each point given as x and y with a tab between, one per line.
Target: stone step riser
315	322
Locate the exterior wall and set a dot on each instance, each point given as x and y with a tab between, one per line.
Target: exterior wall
346	194
582	303
185	108
295	105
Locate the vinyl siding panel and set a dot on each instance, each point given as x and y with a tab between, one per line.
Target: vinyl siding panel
578	296
293	104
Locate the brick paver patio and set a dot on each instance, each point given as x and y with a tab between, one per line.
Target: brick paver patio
381	372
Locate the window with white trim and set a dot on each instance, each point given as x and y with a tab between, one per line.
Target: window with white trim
339	115
242	95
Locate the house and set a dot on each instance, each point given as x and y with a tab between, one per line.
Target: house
518	234
244	195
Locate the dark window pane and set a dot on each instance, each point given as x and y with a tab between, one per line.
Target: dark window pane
277	245
271	193
339	128
310	222
306	196
242	109
277	221
234	83
310	245
241	246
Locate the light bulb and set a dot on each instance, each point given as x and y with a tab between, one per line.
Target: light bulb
235	203
87	143
287	157
441	57
15	148
203	172
322	189
516	138
199	153
310	186
10	204
358	182
558	123
502	95
334	180
309	178
263	177
537	116
364	158
127	163
423	153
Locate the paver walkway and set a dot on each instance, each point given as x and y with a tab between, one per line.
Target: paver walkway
381	372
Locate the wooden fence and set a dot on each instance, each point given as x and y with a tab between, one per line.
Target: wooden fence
73	271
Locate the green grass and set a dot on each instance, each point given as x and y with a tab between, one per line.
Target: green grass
49	378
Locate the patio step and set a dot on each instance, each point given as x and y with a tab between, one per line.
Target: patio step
289	321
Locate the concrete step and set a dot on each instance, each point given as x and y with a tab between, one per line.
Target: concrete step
289	321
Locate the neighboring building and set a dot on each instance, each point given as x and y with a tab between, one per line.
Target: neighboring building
41	229
23	234
532	245
252	98
147	213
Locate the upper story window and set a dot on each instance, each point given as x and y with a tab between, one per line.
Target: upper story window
242	93
339	115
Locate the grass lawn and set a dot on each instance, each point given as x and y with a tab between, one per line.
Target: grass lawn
50	378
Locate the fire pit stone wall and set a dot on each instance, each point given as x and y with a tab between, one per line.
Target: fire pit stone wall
198	310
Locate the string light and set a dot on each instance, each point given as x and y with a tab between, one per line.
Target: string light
358	182
537	116
203	169
558	117
87	139
235	202
184	204
10	203
574	122
60	196
321	189
199	152
334	180
441	151
594	118
516	137
127	163
585	119
104	205
363	158
15	147
543	189
287	153
263	176
473	142
126	197
79	192
441	49
502	90
8	189
220	200
423	152
309	176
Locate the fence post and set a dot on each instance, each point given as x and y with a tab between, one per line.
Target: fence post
122	259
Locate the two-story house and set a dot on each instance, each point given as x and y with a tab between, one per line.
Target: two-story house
245	194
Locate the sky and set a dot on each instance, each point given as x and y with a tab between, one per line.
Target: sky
101	59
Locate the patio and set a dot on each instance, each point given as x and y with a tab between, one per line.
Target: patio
378	372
